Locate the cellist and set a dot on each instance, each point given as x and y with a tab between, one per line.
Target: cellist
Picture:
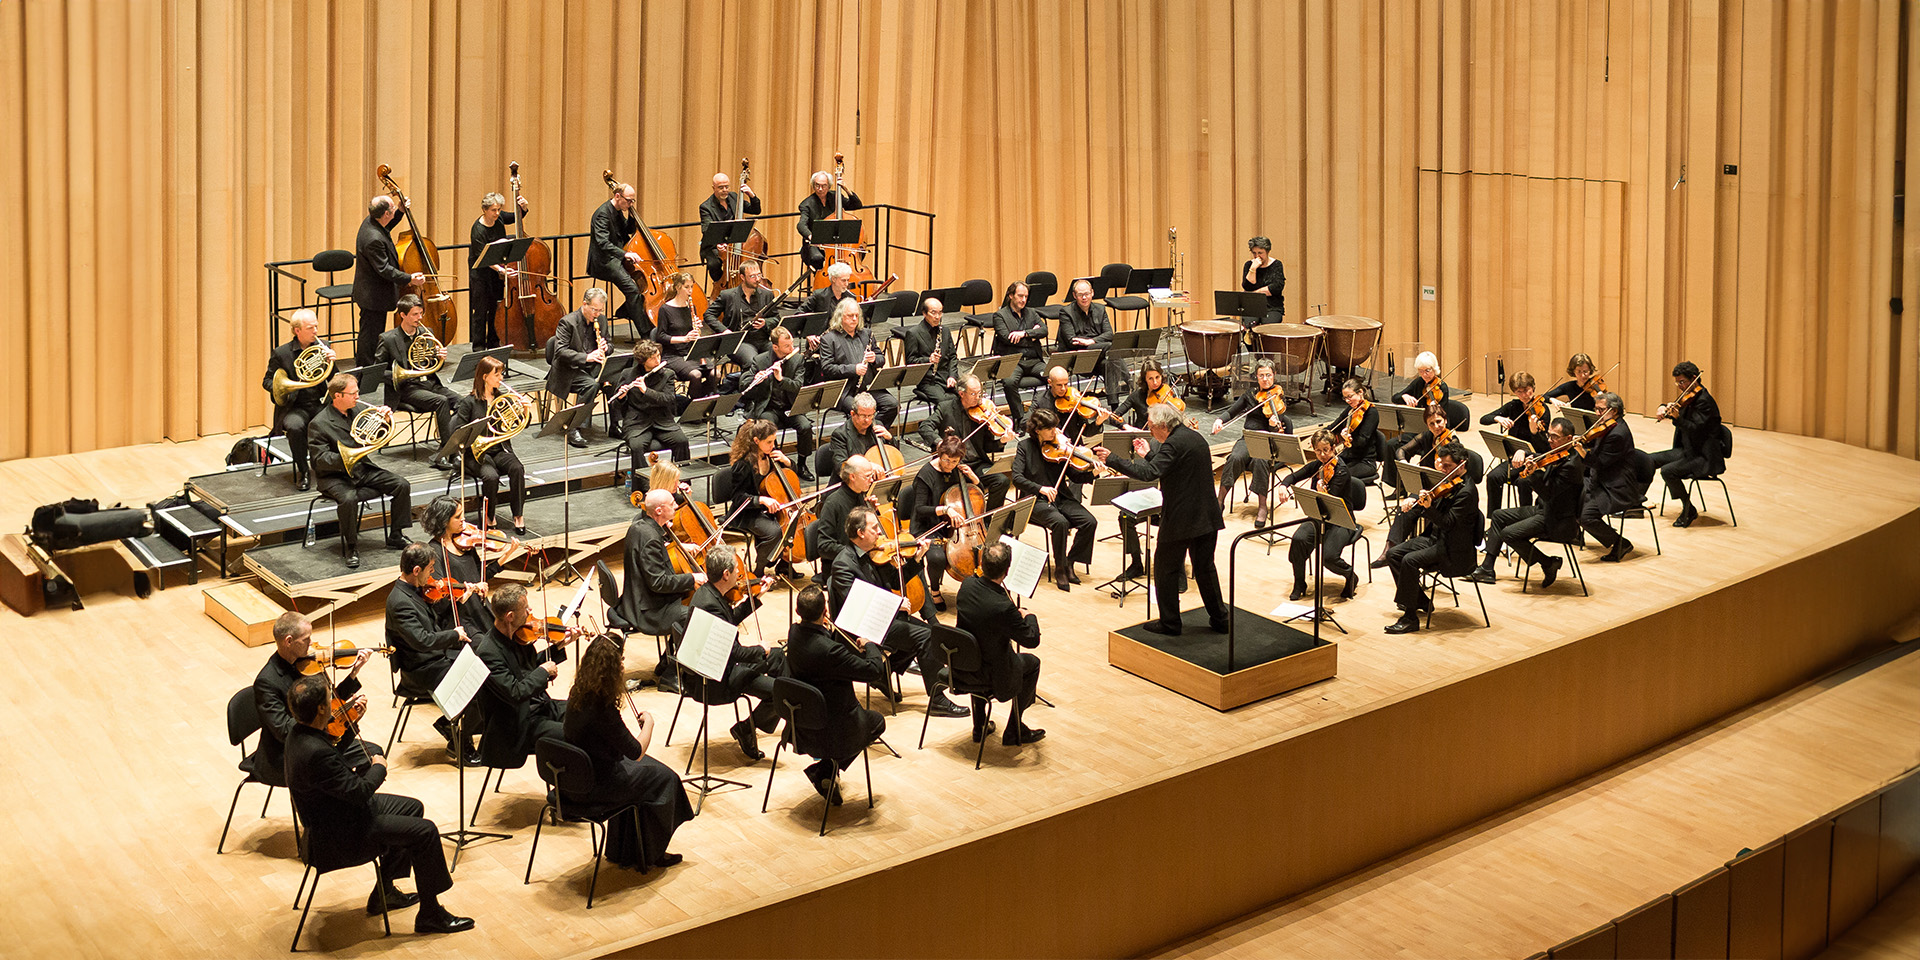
756	453
486	288
922	507
819	205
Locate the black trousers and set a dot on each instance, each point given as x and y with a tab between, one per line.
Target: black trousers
293	422
422	395
752	675
640	440
1498	479
699	377
1307	536
993	485
1029	691
409	843
1061	517
812	256
1515	527
499	462
373	323
907	638
1169	556
802	428
583	387
483	301
345	494
1593	519
1031	372
633	307
1677	467
766	538
1240	461
933	393
1408	560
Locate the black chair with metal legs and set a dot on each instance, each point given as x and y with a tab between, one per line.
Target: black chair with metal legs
1572	558
1693	484
243	721
958	652
1448	577
1644	511
407	695
364	495
803	709
320	863
566	769
708	694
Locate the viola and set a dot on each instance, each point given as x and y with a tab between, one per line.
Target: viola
1326	476
1082	406
1061	453
1164	394
1535	411
997	423
1680	402
344	719
1354	419
1567	448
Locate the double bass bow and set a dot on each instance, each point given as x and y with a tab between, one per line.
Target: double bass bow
658	260
419	255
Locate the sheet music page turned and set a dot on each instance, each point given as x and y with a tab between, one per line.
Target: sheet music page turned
868	611
1138	501
707	645
462	681
1029	562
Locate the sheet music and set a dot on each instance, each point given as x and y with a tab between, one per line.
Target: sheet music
707	645
868	611
572	609
1139	501
462	681
1023	577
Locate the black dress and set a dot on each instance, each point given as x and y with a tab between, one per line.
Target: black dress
623	774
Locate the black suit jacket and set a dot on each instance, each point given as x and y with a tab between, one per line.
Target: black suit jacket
653	405
377	277
771	393
812	209
514	696
418	631
1184	467
1610	472
840	354
1455	520
270	687
393	349
828	534
711	210
1005	322
1093	324
708	599
850	565
921	341
650	600
1697	431
986	611
952	415
730	311
327	433
1557	487
608	235
573	339
1032	470
1361	446
820	658
282	358
335	801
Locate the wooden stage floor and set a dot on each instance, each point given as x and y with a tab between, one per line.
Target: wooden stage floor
114	795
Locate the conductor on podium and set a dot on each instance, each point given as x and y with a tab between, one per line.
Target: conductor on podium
1190	519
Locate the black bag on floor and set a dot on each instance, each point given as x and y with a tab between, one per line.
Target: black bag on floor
77	523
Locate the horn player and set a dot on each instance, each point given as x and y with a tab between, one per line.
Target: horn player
331	432
292	416
498	459
419	394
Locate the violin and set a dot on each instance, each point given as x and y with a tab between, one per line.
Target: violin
1354	419
343	719
1071	456
1436	390
438	589
1271	402
1164	394
1595	385
1081	405
493	545
1535	411
1567	448
997	423
1448	483
1326	476
1671	410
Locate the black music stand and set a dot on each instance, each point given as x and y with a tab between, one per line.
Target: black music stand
733	232
1129	344
805	325
459	689
715	346
990	369
471	362
875	311
949	298
710	409
894	378
886	489
1277	450
835	233
371	377
1324	510
1503	447
456	445
1009	520
1078	363
560	424
1140	282
1582	420
817	396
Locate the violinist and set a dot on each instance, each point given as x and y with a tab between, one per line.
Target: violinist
1264	275
1043	468
773	380
423	635
293	650
1019	330
928	342
1084	326
1523	418
826	536
1426	388
819	205
519	712
747	306
817	656
649	410
1264	405
611	228
339	803
990	613
487	288
1580	386
1555	517
859	434
377	276
847	352
725	205
1452	512
922	507
908	636
420	394
650	598
1358	431
1325	474
1077	414
455	559
750	667
756	452
332	432
674	330
623	772
962	415
579	351
488	377
1423	448
1611	484
1149	389
1699	448
303	405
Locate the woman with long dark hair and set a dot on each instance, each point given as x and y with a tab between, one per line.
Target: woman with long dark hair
622	771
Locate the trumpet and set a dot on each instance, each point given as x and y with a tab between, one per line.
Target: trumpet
508	414
424	356
311	368
371	429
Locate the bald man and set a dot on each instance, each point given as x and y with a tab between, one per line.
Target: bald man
723	205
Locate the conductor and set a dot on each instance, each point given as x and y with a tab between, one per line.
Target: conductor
1190	520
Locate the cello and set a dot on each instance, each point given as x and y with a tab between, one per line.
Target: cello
658	260
419	255
528	315
755	246
854	256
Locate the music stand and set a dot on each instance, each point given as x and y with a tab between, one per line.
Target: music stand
817	396
732	232
875	311
988	369
563	422
1129	344
949	298
715	346
1582	420
457	444
371	377
1010	520
893	378
1151	278
1405	419
835	233
455	693
710	409
1504	447
886	489
1414	478
1277	450
1324	510
1236	303
471	361
1077	363
805	325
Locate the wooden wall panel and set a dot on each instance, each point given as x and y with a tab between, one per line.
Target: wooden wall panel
1808	869
161	152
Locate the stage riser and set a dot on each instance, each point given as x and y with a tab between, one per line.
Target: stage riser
1149	864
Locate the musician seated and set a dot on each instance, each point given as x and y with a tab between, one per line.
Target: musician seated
1423	448
826	536
722	206
455	554
857	436
1555	516
1325	474
926	342
817	656
417	394
649	411
578	352
650	598
964	415
330	433
1698	450
424	636
1042	468
1426	387
1022	331
498	459
847	352
1079	417
839	287
747	306
772	383
988	611
1148	389
622	771
302	405
907	636
750	667
518	709
1359	431
756	454
674	330
1612	483
1253	403
1084	326
1453	526
1580	386
1521	418
345	816
294	655
931	512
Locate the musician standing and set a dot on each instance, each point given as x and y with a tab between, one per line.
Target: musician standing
1556	517
818	657
1084	326
928	342
723	205
612	227
847	353
747	306
982	446
486	288
377	276
1190	520
1056	485
1453	524
649	410
650	599
499	460
907	635
988	611
579	353
304	404
1018	330
1240	460
332	432
1264	275
1612	485
1699	449
772	381
418	394
818	205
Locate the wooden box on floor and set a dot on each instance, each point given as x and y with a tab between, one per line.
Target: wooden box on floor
1223	690
247	613
20	580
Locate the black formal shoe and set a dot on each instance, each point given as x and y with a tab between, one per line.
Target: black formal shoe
306	482
1687	516
396	542
1063	583
519	530
472	759
942	707
669	860
1022	737
667	683
1072	577
805	470
445	728
1133	572
396	900
940	602
1299	593
1219	627
1380	563
1482	575
441	922
575	439
743	734
440	463
1159	627
1407	623
980	732
828	786
1621	548
1549	568
353	559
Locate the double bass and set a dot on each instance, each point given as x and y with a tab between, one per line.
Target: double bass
419	255
658	261
854	256
528	315
755	246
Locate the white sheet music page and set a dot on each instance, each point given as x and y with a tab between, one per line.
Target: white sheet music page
1138	501
707	645
1029	561
462	681
868	611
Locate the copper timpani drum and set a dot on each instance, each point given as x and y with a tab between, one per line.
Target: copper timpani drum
1210	343
1291	345
1349	340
